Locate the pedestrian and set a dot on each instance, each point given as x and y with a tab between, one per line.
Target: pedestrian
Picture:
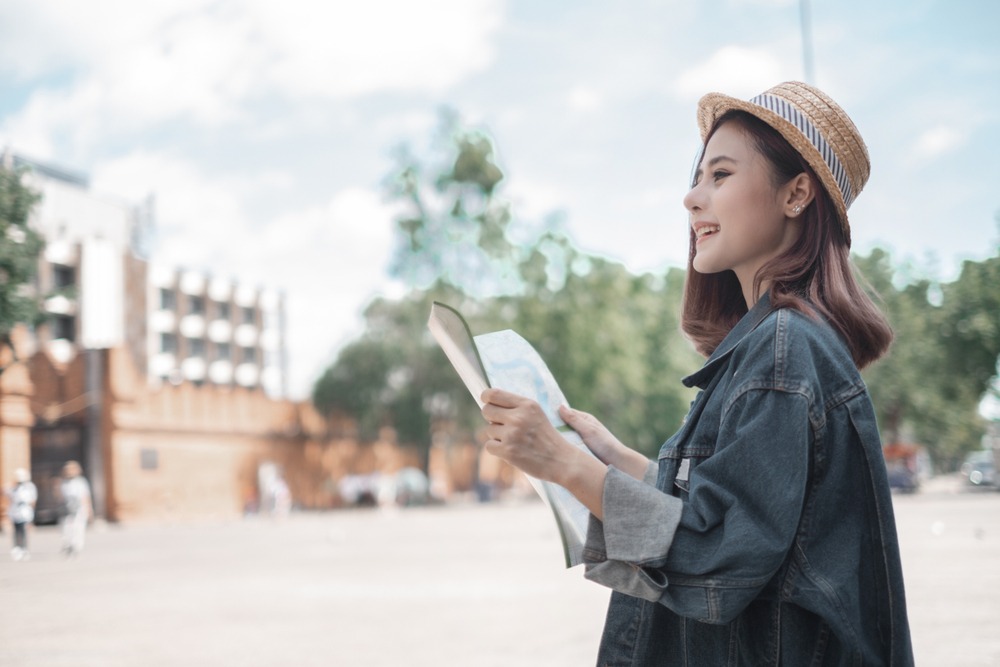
21	510
281	498
764	533
77	508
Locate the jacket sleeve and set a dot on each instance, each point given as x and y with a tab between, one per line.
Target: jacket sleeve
708	556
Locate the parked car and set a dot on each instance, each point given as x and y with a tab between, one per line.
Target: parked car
979	469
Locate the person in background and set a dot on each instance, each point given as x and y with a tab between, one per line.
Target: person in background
763	533
21	510
77	509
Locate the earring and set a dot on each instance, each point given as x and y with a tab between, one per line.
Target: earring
797	209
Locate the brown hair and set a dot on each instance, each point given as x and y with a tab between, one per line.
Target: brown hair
814	276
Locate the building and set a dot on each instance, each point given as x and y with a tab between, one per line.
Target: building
167	384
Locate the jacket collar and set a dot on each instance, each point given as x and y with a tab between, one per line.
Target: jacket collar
747	323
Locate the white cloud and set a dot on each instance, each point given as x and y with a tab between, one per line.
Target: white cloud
206	62
584	98
198	217
733	70
937	141
331	261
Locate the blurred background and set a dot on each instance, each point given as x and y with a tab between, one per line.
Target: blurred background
222	225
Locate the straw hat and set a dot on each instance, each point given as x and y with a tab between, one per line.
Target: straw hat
815	126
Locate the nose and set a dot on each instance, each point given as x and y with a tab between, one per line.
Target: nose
694	200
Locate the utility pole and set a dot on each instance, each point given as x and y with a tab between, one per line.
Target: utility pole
807	55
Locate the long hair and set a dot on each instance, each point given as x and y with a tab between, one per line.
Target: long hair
814	276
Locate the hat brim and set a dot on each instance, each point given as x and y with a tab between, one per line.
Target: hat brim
713	106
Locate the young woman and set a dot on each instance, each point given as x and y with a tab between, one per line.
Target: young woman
764	532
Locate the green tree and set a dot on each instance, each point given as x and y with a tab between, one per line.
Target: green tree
453	226
613	340
20	247
969	334
394	375
898	381
943	360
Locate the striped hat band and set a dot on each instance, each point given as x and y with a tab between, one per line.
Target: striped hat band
787	111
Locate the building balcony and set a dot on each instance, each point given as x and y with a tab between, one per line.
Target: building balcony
60	305
245	335
220	372
161	321
270	339
193	369
220	331
62	252
162	364
192	326
247	375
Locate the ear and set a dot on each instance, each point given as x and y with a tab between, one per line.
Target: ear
797	194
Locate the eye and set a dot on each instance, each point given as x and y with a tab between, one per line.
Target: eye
719	174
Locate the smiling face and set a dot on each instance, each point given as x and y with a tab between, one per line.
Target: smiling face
740	218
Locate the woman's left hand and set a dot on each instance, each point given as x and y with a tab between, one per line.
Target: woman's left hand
521	434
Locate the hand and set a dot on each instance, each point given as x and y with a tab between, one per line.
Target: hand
520	433
595	435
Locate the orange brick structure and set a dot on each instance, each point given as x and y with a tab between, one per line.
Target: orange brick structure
190	452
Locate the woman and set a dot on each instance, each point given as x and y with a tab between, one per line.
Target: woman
77	510
764	533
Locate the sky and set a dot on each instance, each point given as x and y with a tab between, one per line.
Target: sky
265	130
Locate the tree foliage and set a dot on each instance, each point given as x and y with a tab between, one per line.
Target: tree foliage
944	358
20	247
453	228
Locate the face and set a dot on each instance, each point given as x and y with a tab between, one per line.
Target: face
739	217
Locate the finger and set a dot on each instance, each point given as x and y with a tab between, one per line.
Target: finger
494	432
572	416
501	398
493	414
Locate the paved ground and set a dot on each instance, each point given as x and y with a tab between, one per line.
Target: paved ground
463	585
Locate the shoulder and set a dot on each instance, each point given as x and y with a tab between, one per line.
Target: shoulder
800	348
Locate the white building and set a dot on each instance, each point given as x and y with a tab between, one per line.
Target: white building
104	290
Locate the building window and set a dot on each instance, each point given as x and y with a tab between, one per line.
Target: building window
196	305
149	459
249	355
63	276
168	299
222	310
168	343
196	347
249	316
222	352
64	326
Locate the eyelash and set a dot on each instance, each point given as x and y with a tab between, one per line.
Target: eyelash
716	175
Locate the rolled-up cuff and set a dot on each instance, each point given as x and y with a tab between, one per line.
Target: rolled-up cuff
651	473
638	528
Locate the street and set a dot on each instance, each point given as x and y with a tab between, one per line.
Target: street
463	584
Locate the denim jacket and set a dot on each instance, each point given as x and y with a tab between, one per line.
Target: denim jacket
775	542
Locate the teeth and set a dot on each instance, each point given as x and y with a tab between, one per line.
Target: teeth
701	231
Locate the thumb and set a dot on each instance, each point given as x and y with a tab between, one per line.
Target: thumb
571	416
